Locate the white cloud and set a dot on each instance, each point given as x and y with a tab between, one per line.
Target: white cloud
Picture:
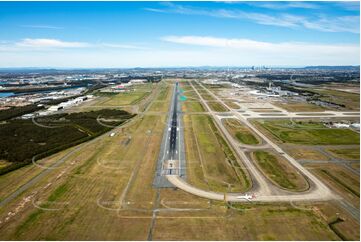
183	57
188	51
29	44
285	5
157	10
321	23
281	50
123	46
41	27
336	24
50	43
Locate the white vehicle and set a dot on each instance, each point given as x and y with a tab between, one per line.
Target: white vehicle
112	134
247	197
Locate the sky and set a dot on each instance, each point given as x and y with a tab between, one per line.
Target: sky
174	34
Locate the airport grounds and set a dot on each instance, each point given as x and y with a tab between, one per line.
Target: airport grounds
103	189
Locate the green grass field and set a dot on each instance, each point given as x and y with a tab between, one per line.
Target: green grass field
217	107
232	104
240	132
192	106
85	198
299	107
279	171
349	100
259	222
164	93
211	162
128	98
309	133
159	106
206	96
351	154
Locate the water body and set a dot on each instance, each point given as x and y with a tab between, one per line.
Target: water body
6	94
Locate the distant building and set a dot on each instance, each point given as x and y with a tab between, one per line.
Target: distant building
137	81
55	108
341	125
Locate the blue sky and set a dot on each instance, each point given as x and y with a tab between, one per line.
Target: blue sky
155	34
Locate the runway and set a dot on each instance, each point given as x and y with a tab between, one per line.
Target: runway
171	160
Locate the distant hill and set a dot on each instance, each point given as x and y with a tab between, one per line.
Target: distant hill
332	67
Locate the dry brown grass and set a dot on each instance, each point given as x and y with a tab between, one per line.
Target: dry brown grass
339	179
269	222
305	154
299	107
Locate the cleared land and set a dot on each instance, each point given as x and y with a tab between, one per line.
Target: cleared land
339	179
346	99
217	107
165	93
86	200
206	96
339	221
279	171
240	132
299	107
211	164
126	98
261	222
192	106
301	153
265	110
104	192
347	154
232	104
159	106
191	95
308	133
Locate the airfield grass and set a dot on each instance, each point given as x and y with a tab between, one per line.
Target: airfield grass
299	107
165	93
308	133
232	104
301	153
171	198
12	181
264	110
346	227
89	194
347	154
211	164
186	86
216	86
127	98
279	171
260	222
346	183
206	96
356	165
240	132
192	106
217	107
159	106
92	189
351	101
191	95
